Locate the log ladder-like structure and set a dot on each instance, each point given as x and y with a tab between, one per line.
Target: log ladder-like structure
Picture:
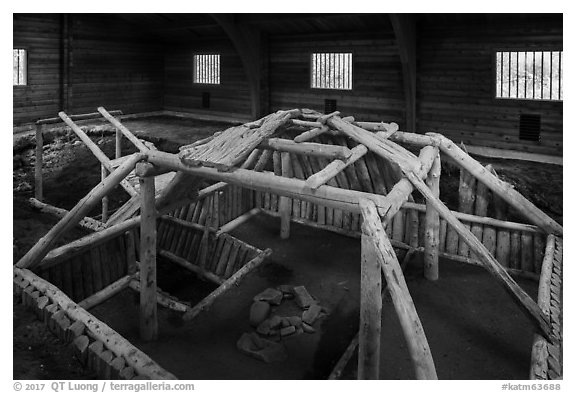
304	166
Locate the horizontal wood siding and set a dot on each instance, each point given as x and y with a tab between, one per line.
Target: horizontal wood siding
115	65
112	64
377	92
456	80
40	36
231	96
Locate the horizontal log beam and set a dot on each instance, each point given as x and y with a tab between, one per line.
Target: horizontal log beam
127	133
334	197
335	167
226	285
97	329
527	305
311	134
86	222
161	298
41	248
307	148
105	293
189	266
84	116
78	246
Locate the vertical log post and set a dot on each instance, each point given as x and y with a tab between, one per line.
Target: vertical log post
118	143
466	199
38	164
285	204
370	312
131	267
148	307
104	173
432	238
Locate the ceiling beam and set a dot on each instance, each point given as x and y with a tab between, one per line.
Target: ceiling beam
251	46
404	26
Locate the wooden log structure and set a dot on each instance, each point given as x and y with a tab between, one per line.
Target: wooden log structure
96	329
119	126
306	148
41	248
311	134
527	305
38	184
432	222
370	312
99	154
335	167
148	307
285	203
105	293
86	223
334	197
226	285
403	304
499	187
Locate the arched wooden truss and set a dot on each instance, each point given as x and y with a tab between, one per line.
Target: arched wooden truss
243	155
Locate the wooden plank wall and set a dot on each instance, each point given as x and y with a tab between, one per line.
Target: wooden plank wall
377	93
115	65
456	80
40	36
112	64
231	96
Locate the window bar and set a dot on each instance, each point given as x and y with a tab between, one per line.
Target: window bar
517	75
542	75
326	71
333	64
509	72
501	74
338	73
560	76
525	75
350	70
533	74
551	68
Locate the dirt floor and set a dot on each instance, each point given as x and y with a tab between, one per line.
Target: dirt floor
474	329
70	171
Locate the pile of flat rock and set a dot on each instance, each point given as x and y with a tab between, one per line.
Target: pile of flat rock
265	343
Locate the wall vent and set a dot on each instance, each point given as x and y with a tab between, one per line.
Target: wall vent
206	100
330	106
529	127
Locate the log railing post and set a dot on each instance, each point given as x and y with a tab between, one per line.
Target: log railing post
432	237
38	164
148	305
285	204
370	312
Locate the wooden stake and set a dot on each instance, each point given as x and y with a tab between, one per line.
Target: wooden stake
432	236
148	306
403	304
528	305
370	312
40	249
285	204
38	193
103	174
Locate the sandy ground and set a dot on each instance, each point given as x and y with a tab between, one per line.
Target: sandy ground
71	171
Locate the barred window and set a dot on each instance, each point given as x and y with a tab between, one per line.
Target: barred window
531	75
19	67
207	69
331	71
